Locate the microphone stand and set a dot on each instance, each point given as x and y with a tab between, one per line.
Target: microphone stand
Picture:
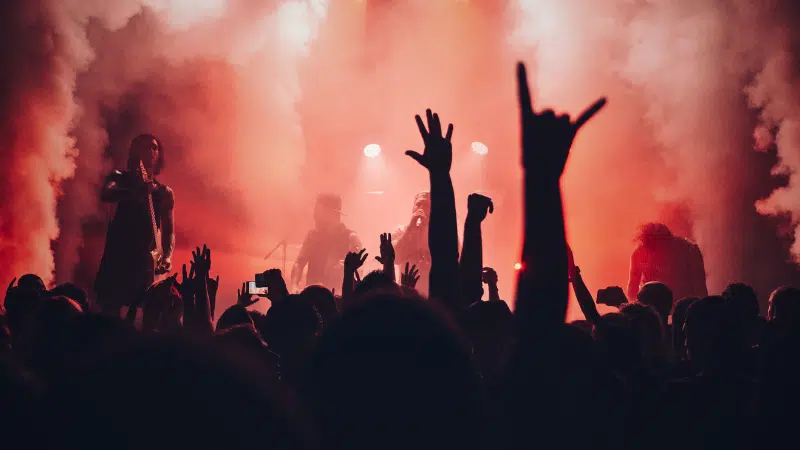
281	244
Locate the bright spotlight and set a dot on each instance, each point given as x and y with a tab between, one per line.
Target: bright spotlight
372	150
480	148
518	266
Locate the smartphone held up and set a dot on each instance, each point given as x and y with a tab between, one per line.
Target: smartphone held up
254	289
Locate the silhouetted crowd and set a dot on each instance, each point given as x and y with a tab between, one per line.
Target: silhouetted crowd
378	366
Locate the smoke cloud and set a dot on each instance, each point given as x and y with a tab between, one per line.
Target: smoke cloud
40	57
691	83
261	105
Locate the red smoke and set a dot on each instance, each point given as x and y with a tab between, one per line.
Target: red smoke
37	108
262	106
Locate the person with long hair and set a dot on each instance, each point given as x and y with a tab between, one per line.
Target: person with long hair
661	256
141	236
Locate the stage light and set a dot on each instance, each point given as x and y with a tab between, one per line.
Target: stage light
480	148
372	150
518	266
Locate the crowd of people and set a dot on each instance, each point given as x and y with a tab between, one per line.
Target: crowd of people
380	366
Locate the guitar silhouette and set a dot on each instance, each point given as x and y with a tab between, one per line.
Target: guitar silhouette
156	252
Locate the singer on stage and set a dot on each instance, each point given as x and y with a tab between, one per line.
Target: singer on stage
144	210
325	247
411	240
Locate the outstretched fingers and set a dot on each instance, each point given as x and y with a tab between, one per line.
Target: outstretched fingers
429	118
436	126
421	125
589	113
524	93
416	157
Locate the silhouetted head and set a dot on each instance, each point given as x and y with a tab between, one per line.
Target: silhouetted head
328	211
743	299
583	325
713	335
233	316
650	330
652	232
73	292
375	281
52	334
21	306
619	340
657	295
321	298
292	327
784	306
245	340
147	149
394	373
678	320
32	282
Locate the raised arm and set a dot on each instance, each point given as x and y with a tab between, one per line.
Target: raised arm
543	289
201	323
471	265
584	297
635	274
490	278
443	229
387	256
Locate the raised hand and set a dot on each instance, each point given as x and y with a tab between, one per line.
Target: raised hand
575	275
547	138
213	288
478	206
353	261
489	276
387	250
611	296
245	298
185	286
410	277
276	285
438	154
201	261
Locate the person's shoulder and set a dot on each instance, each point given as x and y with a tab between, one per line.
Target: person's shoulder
166	191
689	244
166	194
